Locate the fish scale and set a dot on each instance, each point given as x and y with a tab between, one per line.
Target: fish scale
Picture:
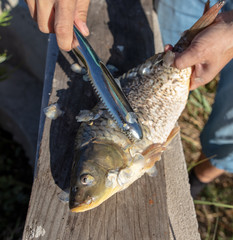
158	94
159	114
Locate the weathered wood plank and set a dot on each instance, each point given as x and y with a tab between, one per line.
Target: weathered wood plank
182	216
140	212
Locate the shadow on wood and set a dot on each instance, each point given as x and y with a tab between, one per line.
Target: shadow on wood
76	95
133	40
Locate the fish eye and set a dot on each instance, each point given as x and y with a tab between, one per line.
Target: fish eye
87	179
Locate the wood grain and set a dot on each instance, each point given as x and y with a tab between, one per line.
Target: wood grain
139	212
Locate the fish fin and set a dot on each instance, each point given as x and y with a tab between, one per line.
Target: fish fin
172	135
130	76
156	59
152	172
203	22
208	17
207	7
153	153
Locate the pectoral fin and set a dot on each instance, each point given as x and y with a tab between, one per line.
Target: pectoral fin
152	172
172	135
153	153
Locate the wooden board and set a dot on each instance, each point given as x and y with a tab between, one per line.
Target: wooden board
152	208
140	212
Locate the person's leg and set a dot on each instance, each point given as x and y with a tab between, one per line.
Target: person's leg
174	18
205	171
217	135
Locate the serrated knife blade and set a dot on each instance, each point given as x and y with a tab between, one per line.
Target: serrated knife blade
108	90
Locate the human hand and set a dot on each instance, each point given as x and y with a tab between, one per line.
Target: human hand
59	16
209	51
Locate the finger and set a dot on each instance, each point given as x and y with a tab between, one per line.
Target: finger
45	16
193	55
195	80
74	42
81	16
168	47
82	26
32	8
64	21
224	17
83	29
202	75
81	10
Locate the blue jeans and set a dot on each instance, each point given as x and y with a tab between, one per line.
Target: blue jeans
176	16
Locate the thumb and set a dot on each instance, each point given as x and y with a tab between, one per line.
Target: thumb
191	56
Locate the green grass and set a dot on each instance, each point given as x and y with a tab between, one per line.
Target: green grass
217	204
5	18
214	207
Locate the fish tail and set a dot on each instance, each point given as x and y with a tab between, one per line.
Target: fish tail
208	18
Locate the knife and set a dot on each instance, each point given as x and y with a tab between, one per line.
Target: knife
107	89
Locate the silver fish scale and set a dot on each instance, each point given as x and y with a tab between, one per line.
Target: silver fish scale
157	98
103	128
162	102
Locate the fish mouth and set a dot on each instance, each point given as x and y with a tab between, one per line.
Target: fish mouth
91	202
82	207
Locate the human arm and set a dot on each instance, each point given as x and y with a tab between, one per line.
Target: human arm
209	51
58	16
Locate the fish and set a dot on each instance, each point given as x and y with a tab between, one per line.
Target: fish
106	160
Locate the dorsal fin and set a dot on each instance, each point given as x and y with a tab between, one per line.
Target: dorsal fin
203	22
207	7
208	17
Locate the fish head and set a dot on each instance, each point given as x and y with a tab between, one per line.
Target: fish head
92	162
